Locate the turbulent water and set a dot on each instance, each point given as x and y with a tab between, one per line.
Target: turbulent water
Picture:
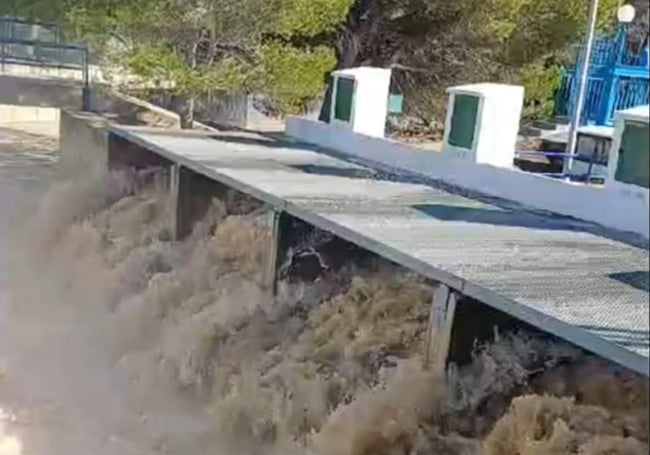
139	344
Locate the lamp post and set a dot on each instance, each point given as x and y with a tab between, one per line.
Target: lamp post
625	15
616	57
582	88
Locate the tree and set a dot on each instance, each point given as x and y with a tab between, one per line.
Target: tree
195	47
432	44
639	30
201	46
284	48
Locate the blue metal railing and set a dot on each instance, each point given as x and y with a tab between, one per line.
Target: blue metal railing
38	44
618	79
628	92
37	53
29	30
26	43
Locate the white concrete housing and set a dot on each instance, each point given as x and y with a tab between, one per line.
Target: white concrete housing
493	127
623	119
369	101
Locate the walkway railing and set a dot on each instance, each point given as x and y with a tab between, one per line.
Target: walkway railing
34	44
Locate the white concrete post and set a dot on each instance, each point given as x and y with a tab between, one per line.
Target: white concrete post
441	318
270	270
174	191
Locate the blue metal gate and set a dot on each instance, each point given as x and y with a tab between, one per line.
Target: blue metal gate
618	79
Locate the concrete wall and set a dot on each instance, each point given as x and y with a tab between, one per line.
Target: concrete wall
83	143
61	94
130	110
35	120
20	91
36	105
588	203
97	75
28	71
227	109
33	105
219	108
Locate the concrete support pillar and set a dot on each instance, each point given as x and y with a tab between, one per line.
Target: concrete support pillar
175	193
441	319
274	218
192	194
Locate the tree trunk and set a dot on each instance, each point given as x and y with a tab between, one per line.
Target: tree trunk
184	107
187	101
348	46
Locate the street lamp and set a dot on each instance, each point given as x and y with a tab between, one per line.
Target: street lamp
625	14
572	141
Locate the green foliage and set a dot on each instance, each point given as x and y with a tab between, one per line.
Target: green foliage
530	29
541	82
282	48
531	38
155	63
201	46
291	77
41	10
311	17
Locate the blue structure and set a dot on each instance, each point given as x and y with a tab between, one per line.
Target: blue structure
27	43
618	79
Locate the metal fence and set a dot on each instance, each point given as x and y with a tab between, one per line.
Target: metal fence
36	44
24	43
628	92
618	79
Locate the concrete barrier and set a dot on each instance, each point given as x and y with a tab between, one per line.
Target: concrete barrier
587	203
83	143
34	120
130	110
55	93
58	93
62	94
52	108
115	76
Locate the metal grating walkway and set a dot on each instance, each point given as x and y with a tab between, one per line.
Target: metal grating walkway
548	271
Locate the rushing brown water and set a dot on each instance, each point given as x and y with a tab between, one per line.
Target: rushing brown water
163	347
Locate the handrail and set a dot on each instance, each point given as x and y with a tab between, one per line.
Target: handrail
618	79
15	20
36	61
44	44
